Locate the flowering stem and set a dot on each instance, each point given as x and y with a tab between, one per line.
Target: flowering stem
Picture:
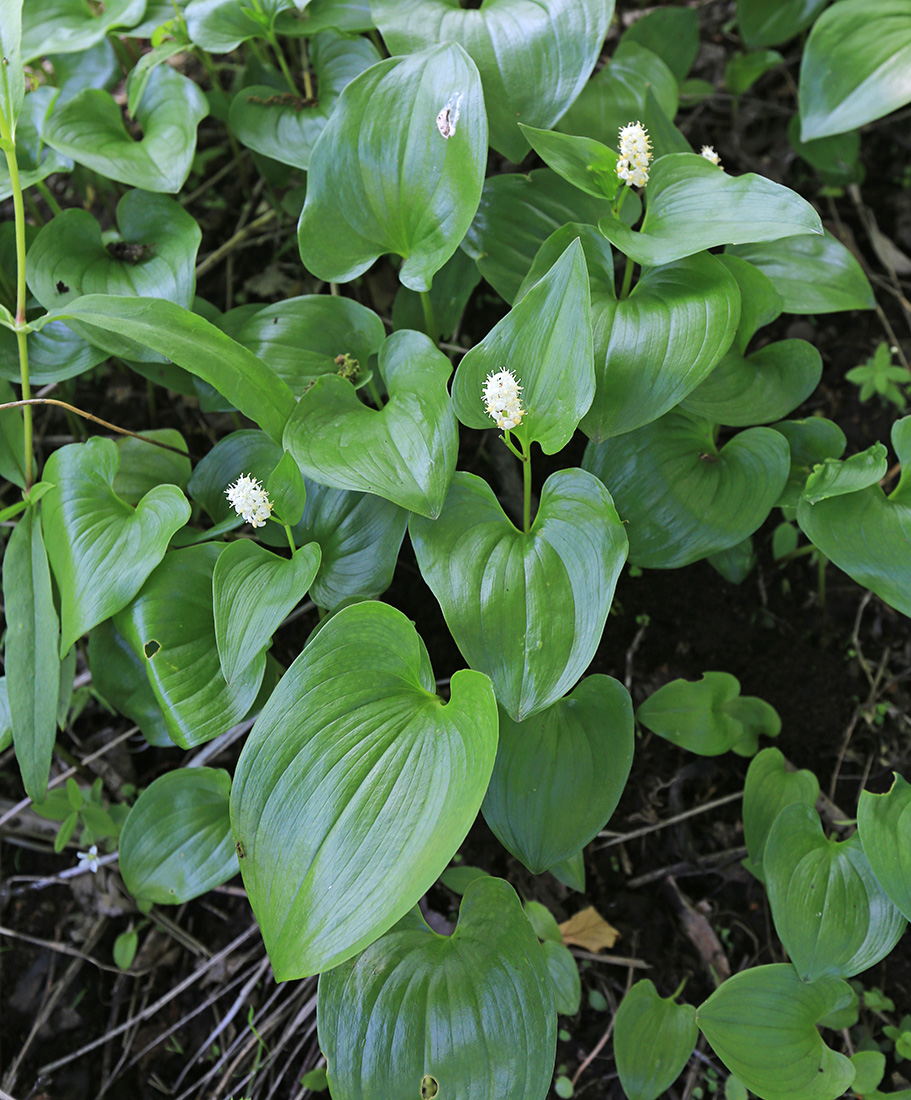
430	321
526	496
627	278
374	393
290	538
618	202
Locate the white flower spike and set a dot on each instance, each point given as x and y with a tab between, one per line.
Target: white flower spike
502	399
708	151
249	499
635	154
88	861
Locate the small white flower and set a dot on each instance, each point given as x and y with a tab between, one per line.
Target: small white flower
88	861
502	399
635	154
708	151
249	499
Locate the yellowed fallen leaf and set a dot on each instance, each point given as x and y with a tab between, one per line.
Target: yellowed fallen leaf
589	930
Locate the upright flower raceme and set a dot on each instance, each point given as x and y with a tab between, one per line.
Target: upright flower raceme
635	154
709	153
502	399
249	499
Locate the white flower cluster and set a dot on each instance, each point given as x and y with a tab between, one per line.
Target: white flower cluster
635	153
708	151
502	399
249	499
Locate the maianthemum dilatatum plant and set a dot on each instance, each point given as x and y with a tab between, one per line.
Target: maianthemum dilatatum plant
637	272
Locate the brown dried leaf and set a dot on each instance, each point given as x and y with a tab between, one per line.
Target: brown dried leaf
589	930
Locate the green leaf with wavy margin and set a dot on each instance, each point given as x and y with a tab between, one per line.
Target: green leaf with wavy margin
70	26
176	842
770	786
383	778
653	1040
386	177
527	609
884	824
476	1009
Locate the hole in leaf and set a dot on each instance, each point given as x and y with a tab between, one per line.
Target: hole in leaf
151	648
430	1087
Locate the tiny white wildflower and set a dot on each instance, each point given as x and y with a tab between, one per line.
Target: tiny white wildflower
88	861
502	399
249	499
635	154
708	151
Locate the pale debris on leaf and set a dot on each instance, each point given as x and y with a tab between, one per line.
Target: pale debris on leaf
449	116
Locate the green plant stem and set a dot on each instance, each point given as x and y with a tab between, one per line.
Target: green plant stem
526	495
290	538
305	70
21	338
430	321
45	192
618	202
283	64
627	278
374	393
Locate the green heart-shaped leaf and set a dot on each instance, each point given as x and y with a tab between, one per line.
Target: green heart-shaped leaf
176	842
564	973
252	591
475	1011
405	452
811	441
828	908
394	172
599	259
547	335
681	496
142	466
559	775
516	215
68	26
769	787
856	66
153	257
385	781
535	56
220	26
303	338
813	273
101	549
693	205
762	1025
171	629
283	125
709	716
861	530
35	160
884	823
55	353
90	130
653	1040
527	609
120	679
654	347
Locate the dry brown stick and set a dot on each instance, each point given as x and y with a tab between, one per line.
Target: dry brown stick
64	949
95	420
645	830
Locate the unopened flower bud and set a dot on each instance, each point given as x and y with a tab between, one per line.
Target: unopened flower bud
708	151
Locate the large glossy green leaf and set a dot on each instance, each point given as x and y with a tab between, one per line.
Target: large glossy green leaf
771	22
856	66
654	347
884	824
171	629
516	215
585	163
811	441
176	842
546	339
386	175
709	716
12	78
90	130
252	591
302	338
100	548
599	259
143	465
618	93
69	26
770	786
405	452
828	908
653	1040
564	973
153	254
355	787
527	609
12	437
693	205
192	343
119	677
220	26
534	56
55	353
474	1012
35	161
682	497
672	33
762	1024
283	125
861	530
559	775
813	273
31	662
